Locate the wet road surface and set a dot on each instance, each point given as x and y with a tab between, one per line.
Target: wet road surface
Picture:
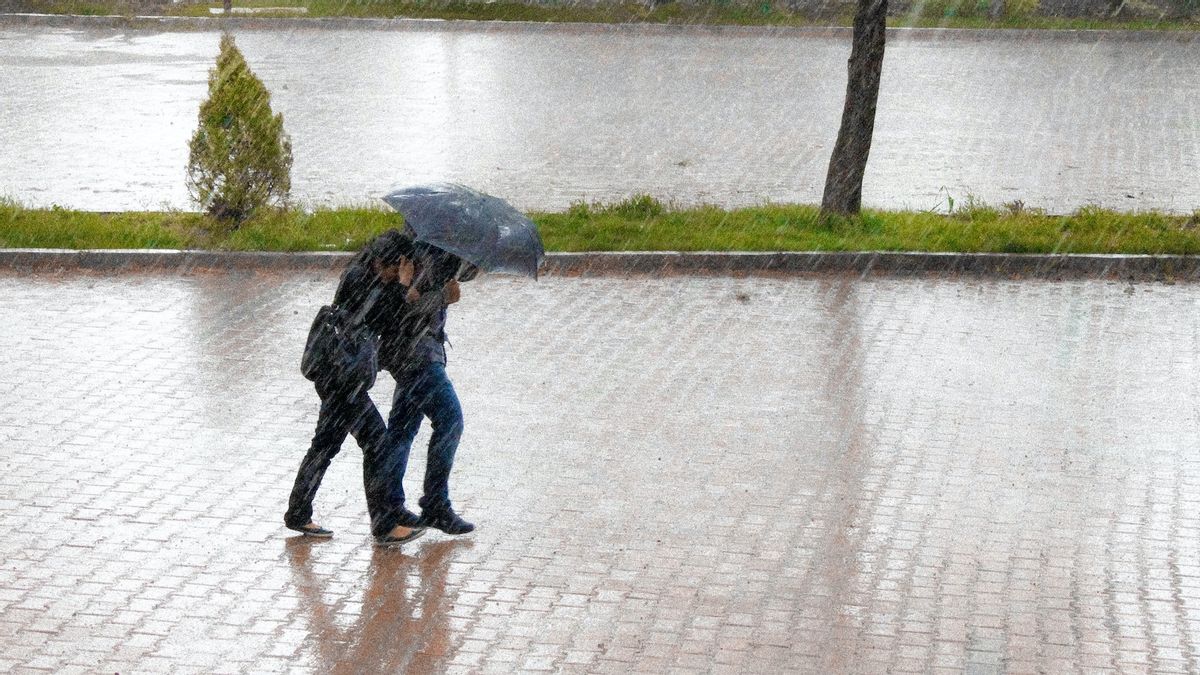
100	118
669	474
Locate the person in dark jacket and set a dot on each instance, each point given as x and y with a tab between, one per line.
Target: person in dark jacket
414	353
376	285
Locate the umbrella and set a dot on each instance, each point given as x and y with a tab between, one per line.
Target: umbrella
485	231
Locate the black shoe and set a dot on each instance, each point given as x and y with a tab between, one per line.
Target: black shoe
389	540
312	530
407	518
447	521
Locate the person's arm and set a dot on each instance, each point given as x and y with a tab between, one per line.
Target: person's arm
427	303
358	285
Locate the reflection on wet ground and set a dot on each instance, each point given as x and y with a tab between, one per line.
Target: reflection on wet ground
100	119
397	623
758	475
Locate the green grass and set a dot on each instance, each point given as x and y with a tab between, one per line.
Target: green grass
21	227
629	12
320	230
973	228
639	224
935	13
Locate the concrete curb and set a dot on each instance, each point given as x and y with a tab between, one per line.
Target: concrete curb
184	23
889	263
996	265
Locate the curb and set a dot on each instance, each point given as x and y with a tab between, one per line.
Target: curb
189	23
995	265
883	263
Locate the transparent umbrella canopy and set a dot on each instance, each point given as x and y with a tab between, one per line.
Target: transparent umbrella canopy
485	231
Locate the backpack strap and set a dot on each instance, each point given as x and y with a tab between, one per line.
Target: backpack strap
357	319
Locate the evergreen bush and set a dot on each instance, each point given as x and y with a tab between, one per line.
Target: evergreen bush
240	158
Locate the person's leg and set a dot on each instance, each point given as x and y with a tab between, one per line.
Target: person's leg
333	423
439	402
388	516
389	461
370	433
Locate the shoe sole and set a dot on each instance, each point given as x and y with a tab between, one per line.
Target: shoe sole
452	534
416	534
326	534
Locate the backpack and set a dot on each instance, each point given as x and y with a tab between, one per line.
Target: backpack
341	352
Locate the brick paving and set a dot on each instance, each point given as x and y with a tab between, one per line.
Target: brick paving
670	475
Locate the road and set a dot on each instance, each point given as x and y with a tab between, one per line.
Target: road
100	118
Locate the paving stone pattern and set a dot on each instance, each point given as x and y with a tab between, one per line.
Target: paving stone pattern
670	475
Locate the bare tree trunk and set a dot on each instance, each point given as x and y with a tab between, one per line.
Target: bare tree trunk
229	6
843	183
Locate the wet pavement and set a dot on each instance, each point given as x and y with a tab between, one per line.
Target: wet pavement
670	475
100	118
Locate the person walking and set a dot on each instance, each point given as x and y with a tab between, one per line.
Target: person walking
458	232
414	353
375	287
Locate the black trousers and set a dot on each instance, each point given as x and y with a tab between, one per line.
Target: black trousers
342	414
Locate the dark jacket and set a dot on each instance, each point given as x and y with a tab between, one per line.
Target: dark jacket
410	334
417	339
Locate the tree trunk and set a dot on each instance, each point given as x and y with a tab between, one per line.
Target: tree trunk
843	183
229	6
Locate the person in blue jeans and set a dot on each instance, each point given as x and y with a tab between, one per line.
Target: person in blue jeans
414	353
378	285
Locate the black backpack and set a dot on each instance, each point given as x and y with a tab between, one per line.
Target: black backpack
341	352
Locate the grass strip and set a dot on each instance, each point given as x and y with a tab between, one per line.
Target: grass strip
640	223
935	13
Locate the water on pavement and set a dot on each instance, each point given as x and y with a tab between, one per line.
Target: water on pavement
100	118
756	475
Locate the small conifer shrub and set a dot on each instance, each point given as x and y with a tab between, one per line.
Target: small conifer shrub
240	158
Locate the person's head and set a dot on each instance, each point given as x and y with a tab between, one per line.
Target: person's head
388	273
435	267
387	253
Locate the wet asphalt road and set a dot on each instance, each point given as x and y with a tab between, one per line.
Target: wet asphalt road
100	118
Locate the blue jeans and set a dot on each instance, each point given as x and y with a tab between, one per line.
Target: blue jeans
424	392
341	414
